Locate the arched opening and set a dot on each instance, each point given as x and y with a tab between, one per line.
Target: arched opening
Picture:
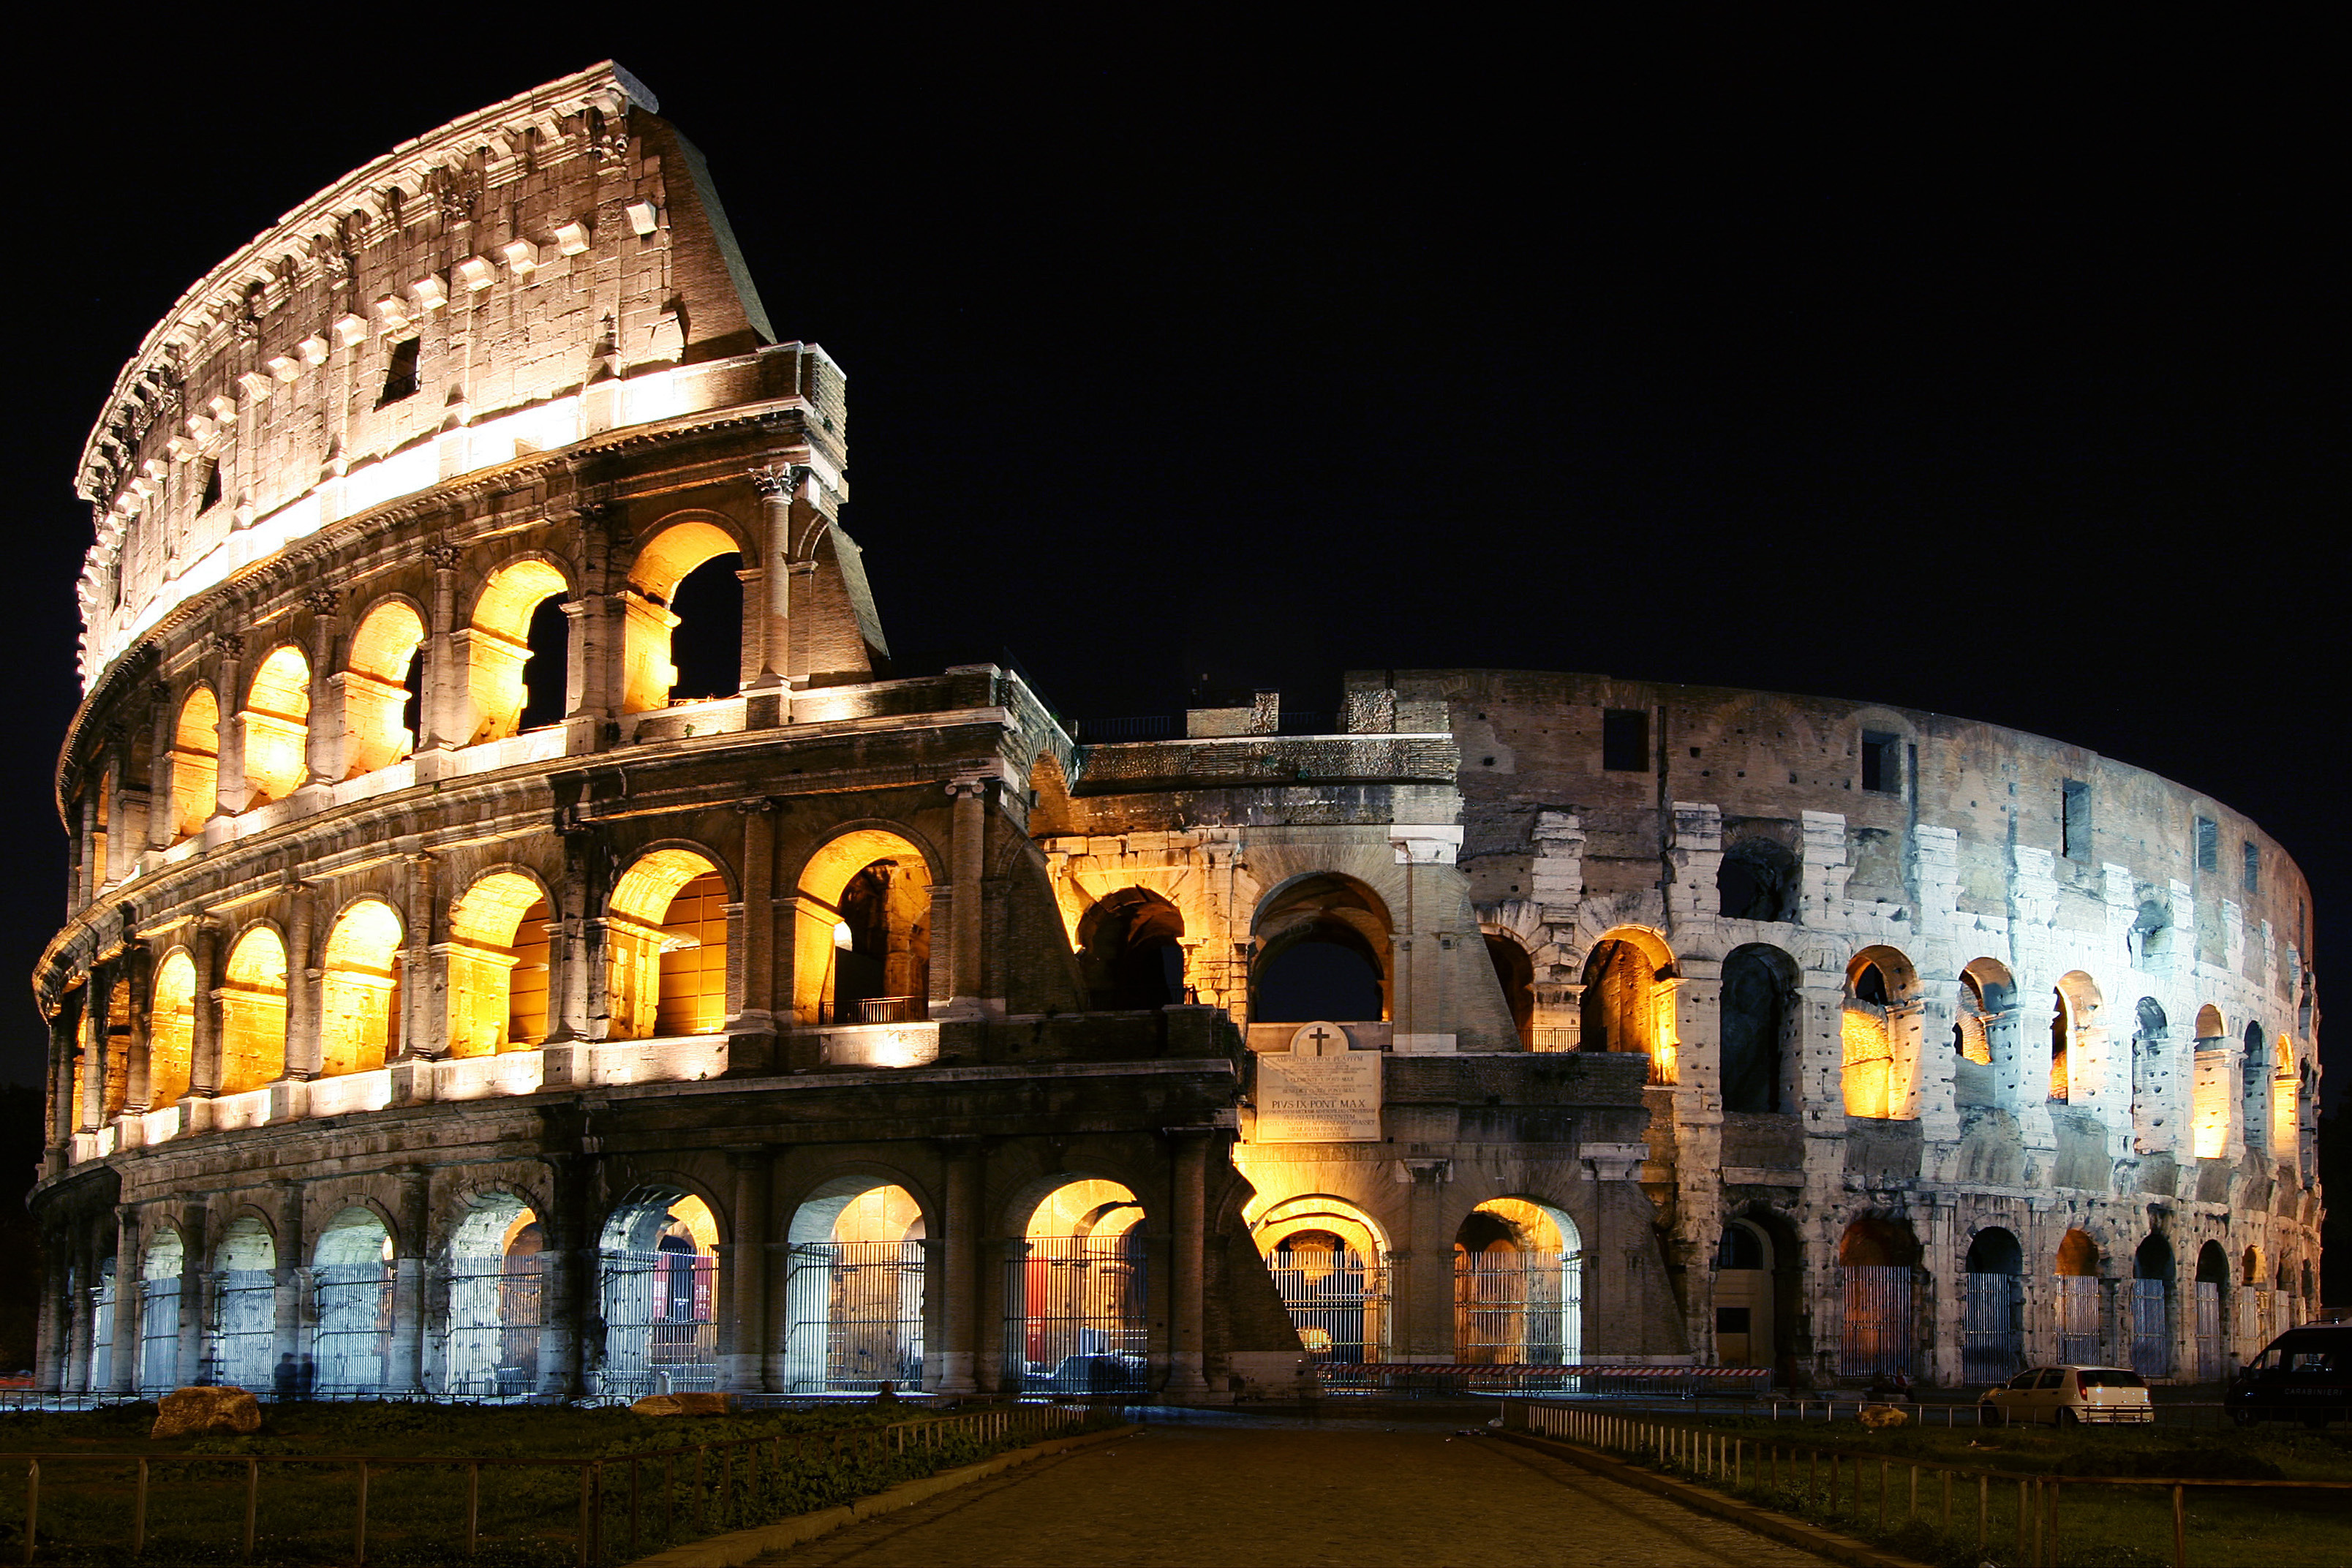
1992	1332
498	966
195	763
853	1295
159	1313
115	1096
1076	1312
1329	1264
2148	1070
2213	1095
380	689
2255	1071
243	1332
685	577
1879	987
2286	1109
351	1276
171	1027
1130	950
1322	952
667	935
101	1329
2254	1302
1628	1003
1515	972
2213	1284
2078	1301
1877	1259
517	619
1518	1286
1745	1330
2151	1308
495	1259
1758	880
1759	1019
657	1277
253	1013
358	989
277	721
862	942
2073	1005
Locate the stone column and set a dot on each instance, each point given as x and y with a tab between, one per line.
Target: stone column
303	1047
78	1324
65	1026
139	974
752	1032
405	1365
1186	1305
126	1303
196	1252
767	587
49	1329
99	988
445	714
571	1331
951	1371
744	1366
291	1275
162	797
969	853
229	776
204	1041
323	744
1423	1271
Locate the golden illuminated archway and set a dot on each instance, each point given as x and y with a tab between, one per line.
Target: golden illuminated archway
253	1013
1874	1025
376	689
360	989
171	1027
277	721
664	563
498	646
666	933
862	941
498	966
1630	1000
195	763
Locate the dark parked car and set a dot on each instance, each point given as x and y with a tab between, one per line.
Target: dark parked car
1091	1374
2305	1375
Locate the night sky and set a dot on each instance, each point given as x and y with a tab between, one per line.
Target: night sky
1997	376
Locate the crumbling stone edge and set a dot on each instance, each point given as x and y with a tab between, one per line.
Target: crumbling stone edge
740	1546
1786	1528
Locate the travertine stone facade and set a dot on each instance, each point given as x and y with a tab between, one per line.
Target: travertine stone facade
606	1036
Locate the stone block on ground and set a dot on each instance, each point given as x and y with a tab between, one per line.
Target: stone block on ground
684	1404
224	1412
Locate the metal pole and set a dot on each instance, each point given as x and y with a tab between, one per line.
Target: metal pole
252	1502
596	1511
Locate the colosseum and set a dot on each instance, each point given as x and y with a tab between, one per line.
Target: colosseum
456	998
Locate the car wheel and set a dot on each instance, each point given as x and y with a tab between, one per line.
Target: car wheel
2243	1416
1992	1415
2067	1417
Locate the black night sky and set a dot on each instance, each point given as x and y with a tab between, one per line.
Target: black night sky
2002	376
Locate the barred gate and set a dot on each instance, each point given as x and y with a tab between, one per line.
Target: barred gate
1524	1308
244	1329
2151	1348
1992	1327
2078	1320
1076	1318
659	1334
1339	1305
354	1334
2211	1367
1878	1337
494	1325
102	1330
159	1336
855	1315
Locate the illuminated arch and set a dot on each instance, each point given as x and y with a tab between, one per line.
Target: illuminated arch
1131	950
1318	935
171	1027
862	935
667	934
253	1012
1081	1298
277	722
1879	981
499	966
375	688
351	1284
1876	1259
498	644
2076	1028
494	1261
1514	974
241	1327
359	995
663	562
195	763
853	1295
1629	999
1518	1286
1329	1263
657	1279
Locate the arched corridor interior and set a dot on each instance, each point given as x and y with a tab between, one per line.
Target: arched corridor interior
352	1279
242	1332
1628	1003
1331	1266
1743	1297
1076	1307
658	1268
668	931
1877	1259
253	1013
159	1314
1323	952
1129	951
2151	1308
359	990
495	1295
2078	1300
1992	1326
498	966
1518	1286
854	1290
862	934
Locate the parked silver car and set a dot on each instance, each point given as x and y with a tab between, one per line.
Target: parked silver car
2069	1396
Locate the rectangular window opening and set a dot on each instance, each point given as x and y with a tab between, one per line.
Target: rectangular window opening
1882	762
2253	867
2074	820
1625	741
210	497
2209	845
400	371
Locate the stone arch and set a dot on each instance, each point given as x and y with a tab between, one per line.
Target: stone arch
359	992
2151	1064
2076	1267
1744	1294
666	931
1328	1260
862	933
242	1333
1629	998
2150	1306
163	1260
351	1285
677	548
253	1010
1882	989
1518	1273
1079	1292
2254	1072
1515	973
276	726
658	1280
1878	1258
1984	1033
1323	946
2075	1031
195	763
1758	880
853	1294
379	680
1760	1013
2211	1032
498	957
1992	1325
494	1260
498	641
1130	950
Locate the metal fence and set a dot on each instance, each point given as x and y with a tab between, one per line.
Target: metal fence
857	1315
159	1336
244	1330
1339	1302
2151	1342
2211	1367
353	1337
1992	1327
494	1328
101	1320
660	1333
1076	1318
1879	1336
1518	1307
2078	1321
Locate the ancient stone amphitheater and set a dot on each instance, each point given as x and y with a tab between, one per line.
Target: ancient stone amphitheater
458	998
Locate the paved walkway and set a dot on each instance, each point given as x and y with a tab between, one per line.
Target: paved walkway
1237	1495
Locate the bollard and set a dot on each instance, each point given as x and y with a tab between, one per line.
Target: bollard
2180	1531
1914	1511
634	1550
139	1513
1884	1472
2055	1486
472	1507
32	1508
1984	1511
359	1524
252	1502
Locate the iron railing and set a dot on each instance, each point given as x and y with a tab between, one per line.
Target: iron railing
1339	1302
1880	1335
856	1316
1992	1327
1076	1318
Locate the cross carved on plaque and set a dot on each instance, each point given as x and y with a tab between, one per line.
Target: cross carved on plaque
1318	1036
